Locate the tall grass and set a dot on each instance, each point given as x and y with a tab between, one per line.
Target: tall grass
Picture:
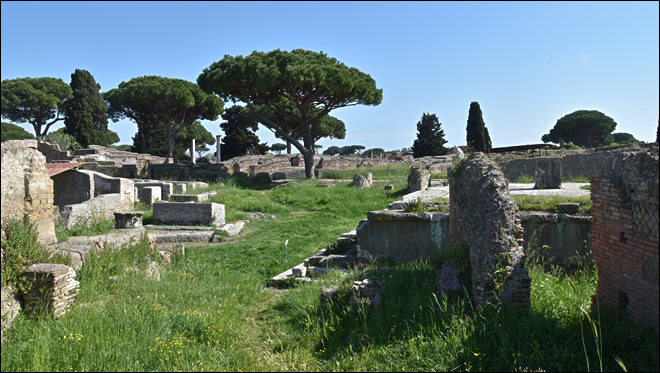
211	310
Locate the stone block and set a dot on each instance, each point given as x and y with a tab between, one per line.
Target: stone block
569	208
179	188
418	179
184	213
150	195
363	181
189	197
48	289
548	173
128	219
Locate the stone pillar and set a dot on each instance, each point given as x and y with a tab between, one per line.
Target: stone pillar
484	219
418	179
217	141
192	150
548	173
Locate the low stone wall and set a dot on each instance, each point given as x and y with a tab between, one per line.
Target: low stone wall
189	172
186	213
49	289
565	236
79	248
403	236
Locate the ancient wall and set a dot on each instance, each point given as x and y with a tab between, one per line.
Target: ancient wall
625	236
181	172
404	236
26	188
72	187
483	218
575	164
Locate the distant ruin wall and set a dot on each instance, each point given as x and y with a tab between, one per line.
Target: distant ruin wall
574	165
625	236
27	189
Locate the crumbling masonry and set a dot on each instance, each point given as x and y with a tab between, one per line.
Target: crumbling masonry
625	236
484	218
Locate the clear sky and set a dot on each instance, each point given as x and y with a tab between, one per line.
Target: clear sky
526	63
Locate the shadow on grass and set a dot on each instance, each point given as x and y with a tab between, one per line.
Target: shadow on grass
495	338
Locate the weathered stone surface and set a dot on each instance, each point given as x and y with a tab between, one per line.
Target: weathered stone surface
569	208
128	219
27	189
325	185
367	292
189	197
403	236
78	248
548	173
185	213
233	229
484	219
48	289
150	195
363	181
456	154
10	308
259	215
418	179
179	188
447	279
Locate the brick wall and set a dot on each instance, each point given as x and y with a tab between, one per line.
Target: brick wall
26	188
625	237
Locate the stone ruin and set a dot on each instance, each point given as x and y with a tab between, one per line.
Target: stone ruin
625	236
418	179
49	289
484	219
363	181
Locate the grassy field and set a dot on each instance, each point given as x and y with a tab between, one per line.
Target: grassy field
212	311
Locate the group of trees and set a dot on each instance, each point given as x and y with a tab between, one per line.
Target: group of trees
344	150
45	101
431	137
290	93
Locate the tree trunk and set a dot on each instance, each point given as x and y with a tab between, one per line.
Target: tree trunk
288	147
170	141
308	157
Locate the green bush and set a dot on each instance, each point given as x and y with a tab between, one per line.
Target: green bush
21	248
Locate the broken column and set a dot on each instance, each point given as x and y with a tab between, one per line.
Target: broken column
192	151
548	173
484	219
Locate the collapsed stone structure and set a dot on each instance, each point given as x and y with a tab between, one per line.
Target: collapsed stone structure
483	219
625	235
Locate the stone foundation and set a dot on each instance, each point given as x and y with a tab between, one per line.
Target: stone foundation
184	213
50	289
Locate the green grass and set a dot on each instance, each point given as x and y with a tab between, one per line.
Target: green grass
549	203
95	224
379	173
212	312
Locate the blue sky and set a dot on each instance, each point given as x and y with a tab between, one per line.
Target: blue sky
526	63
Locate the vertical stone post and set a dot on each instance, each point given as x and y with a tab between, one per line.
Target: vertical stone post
192	150
548	173
217	158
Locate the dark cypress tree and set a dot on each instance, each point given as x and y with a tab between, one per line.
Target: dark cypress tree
477	134
240	139
86	117
430	137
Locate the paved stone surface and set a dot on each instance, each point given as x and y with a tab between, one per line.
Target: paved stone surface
567	190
